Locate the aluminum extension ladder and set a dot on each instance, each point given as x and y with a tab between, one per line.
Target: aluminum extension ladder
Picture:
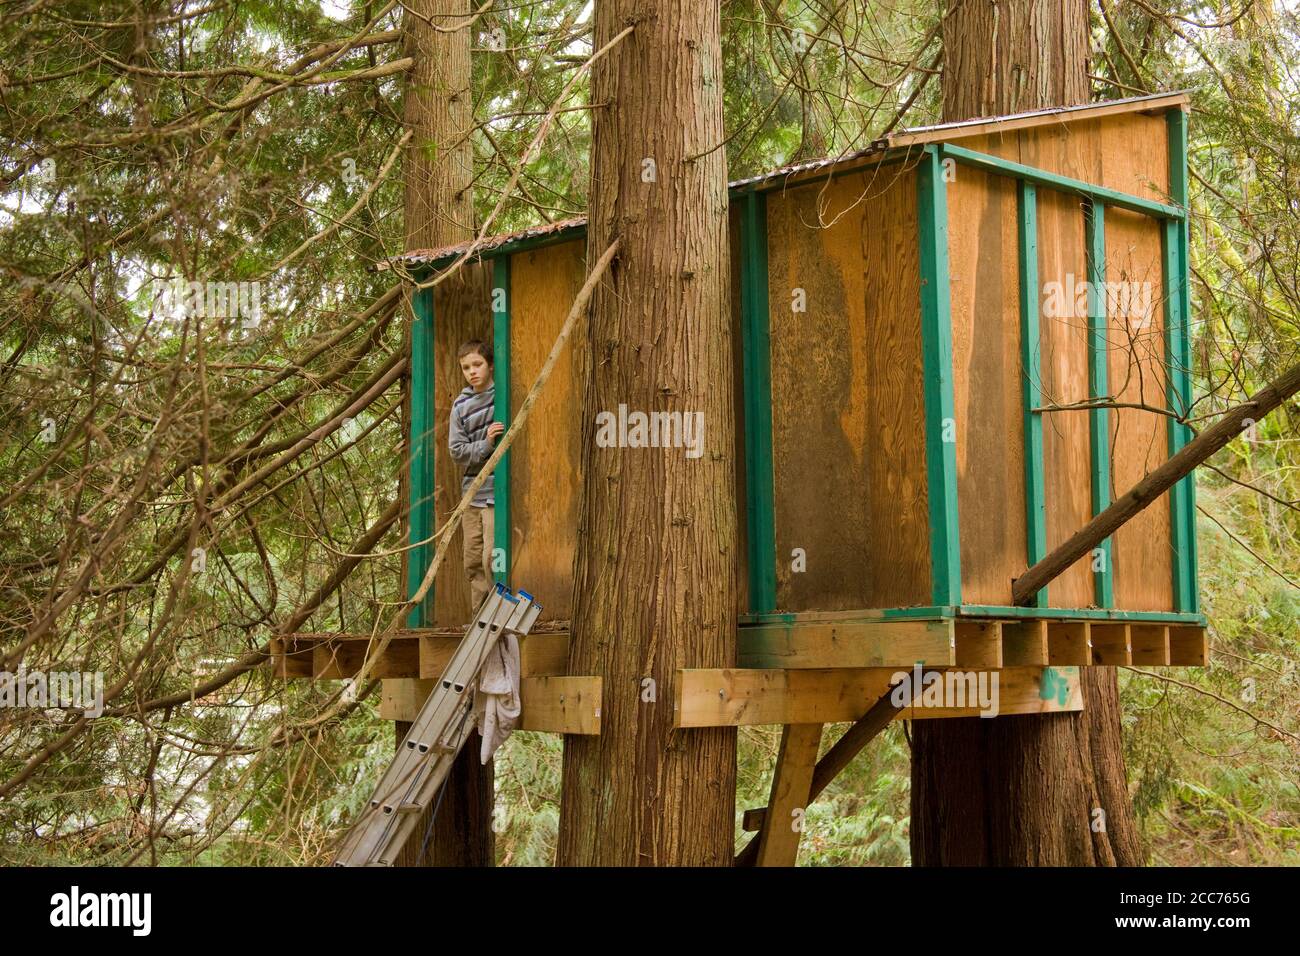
423	761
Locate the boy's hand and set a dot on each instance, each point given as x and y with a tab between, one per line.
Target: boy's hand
496	430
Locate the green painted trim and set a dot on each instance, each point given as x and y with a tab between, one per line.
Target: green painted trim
1176	127
936	341
755	319
982	610
501	410
1099	387
1031	378
1182	532
1041	177
420	442
1178	349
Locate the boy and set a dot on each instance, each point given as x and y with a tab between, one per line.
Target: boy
472	435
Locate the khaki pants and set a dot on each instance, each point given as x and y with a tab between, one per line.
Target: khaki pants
478	530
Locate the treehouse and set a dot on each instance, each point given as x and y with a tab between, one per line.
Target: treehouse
953	349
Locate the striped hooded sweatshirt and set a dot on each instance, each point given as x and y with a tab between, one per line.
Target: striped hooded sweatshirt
471	414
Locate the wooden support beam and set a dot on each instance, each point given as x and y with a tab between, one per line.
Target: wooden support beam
288	660
822	644
540	655
544	655
979	644
791	789
435	654
1041	177
731	697
414	653
879	716
1069	642
936	355
1150	643
756	372
558	705
1031	392
817	642
421	444
1025	644
1099	418
1177	288
561	705
402	700
1189	646
1111	644
799	644
339	659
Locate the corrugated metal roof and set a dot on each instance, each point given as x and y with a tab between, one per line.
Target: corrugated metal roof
556	229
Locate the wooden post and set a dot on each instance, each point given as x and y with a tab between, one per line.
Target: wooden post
755	318
501	410
940	419
1099	419
1031	389
1178	359
421	443
791	790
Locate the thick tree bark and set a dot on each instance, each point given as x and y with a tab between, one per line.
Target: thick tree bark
655	572
438	170
1032	790
1026	790
1008	56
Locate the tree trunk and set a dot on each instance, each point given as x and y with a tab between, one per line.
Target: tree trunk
1008	56
1047	790
438	170
1026	790
655	573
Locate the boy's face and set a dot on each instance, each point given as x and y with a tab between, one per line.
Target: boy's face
477	371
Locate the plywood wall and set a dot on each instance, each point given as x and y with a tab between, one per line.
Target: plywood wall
1063	331
1140	550
546	459
1125	152
987	383
1063	347
847	403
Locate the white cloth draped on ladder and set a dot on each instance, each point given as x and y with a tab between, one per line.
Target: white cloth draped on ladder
496	698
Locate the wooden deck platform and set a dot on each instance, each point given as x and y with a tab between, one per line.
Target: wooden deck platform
807	668
805	642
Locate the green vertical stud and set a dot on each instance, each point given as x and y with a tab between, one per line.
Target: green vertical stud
420	441
1031	371
940	419
755	318
501	412
1178	352
1098	388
